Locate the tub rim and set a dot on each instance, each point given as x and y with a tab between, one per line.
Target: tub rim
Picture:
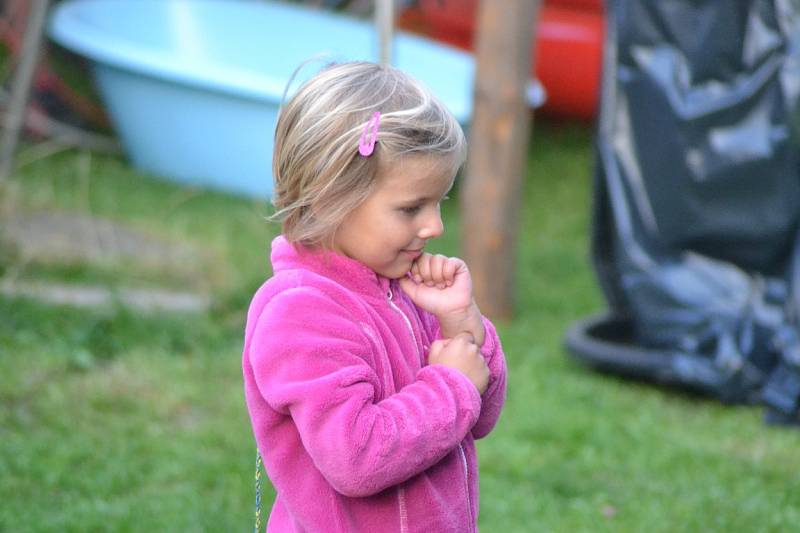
67	28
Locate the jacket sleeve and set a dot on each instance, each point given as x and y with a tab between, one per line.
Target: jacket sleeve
312	361
495	396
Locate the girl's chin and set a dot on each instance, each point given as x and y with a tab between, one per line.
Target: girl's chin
396	271
395	274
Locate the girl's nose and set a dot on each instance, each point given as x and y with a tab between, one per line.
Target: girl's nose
433	226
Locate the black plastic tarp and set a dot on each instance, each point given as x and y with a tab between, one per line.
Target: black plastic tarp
697	200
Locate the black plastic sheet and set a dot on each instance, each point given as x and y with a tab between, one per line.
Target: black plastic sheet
697	200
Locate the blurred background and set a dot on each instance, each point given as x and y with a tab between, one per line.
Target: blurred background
134	189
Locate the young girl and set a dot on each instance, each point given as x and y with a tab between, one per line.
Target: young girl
369	370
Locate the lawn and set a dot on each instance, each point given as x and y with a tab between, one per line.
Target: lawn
119	420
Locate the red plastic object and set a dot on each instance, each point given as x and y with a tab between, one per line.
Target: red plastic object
567	50
580	5
568	56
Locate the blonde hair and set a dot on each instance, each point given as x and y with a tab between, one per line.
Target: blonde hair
319	174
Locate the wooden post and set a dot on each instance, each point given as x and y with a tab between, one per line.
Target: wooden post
21	86
499	134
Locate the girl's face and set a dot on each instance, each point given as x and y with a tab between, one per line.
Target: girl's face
388	231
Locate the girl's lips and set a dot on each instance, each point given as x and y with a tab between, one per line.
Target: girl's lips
413	253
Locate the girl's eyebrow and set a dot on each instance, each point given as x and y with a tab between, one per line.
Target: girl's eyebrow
417	200
430	197
423	199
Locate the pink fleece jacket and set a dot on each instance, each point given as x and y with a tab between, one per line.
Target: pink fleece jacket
357	432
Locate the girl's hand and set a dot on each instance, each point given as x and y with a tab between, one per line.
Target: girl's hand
440	284
462	354
443	286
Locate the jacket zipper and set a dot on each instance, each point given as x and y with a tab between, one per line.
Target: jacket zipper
401	499
466	486
401	491
389	297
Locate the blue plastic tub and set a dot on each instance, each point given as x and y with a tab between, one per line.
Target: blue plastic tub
193	86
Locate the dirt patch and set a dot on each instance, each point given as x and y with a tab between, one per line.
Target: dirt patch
99	297
64	237
67	238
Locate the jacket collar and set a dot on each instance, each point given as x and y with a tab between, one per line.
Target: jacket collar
349	273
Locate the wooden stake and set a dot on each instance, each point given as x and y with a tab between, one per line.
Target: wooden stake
21	87
490	198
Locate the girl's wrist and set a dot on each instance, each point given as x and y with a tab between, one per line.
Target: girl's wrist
467	320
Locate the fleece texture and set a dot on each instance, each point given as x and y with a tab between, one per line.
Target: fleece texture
357	432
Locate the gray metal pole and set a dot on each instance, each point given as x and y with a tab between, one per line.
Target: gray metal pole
21	86
384	25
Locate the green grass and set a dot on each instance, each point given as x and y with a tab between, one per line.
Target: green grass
116	421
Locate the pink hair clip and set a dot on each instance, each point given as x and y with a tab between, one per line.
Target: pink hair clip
367	145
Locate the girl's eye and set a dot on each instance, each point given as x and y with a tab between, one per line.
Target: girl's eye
412	210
